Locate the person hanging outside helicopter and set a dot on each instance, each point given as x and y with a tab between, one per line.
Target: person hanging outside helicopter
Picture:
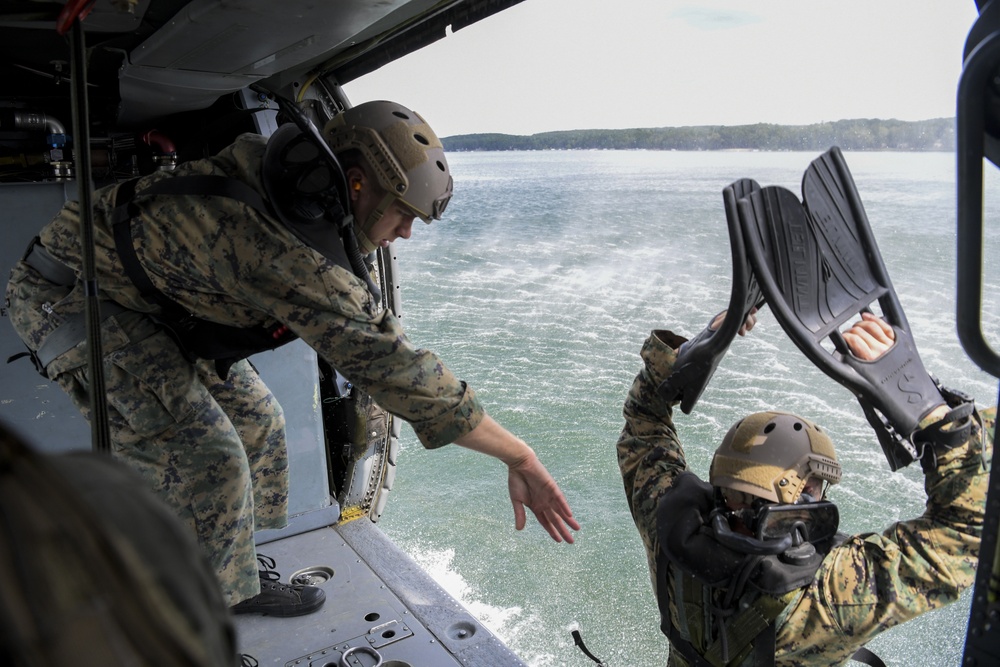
749	569
234	254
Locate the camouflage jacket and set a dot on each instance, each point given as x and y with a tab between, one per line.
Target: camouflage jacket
224	261
866	585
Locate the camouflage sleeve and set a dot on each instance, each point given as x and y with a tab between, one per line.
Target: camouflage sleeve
222	260
873	582
649	453
332	311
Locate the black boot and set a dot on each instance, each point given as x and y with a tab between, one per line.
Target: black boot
277	599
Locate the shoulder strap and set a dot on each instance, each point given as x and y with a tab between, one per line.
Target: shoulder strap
195	336
208	185
196	184
121	221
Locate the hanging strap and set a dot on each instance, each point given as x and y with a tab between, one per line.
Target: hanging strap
865	656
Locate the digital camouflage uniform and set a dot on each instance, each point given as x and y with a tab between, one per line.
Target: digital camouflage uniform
868	584
215	450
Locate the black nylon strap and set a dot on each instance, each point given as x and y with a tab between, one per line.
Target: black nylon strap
50	268
763	646
125	245
196	337
867	657
207	185
125	211
957	435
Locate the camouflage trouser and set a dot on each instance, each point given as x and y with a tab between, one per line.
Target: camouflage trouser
213	450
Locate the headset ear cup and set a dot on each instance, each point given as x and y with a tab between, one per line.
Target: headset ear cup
301	185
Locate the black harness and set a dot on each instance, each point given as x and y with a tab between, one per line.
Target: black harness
197	338
687	544
328	230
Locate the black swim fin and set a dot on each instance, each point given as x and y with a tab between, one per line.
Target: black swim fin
818	266
698	358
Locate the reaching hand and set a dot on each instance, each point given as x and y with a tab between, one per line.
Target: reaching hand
531	485
869	338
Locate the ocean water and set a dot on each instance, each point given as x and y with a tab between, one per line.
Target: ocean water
538	289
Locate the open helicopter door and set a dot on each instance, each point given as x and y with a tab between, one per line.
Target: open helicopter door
978	137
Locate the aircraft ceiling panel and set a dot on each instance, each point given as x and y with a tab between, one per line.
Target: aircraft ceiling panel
210	47
174	56
260	38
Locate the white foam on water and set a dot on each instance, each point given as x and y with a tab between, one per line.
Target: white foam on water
507	623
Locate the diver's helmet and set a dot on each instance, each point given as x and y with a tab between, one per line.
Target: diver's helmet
771	455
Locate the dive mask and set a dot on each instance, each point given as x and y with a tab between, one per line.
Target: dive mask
777	527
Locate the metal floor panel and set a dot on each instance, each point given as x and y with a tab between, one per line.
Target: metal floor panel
379	603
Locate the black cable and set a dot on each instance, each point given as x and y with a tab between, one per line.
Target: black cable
578	640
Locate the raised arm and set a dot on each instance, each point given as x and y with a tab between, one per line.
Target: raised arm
872	581
650	455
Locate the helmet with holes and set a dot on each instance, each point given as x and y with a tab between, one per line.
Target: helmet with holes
405	154
771	455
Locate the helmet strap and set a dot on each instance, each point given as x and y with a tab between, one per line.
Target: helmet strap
362	230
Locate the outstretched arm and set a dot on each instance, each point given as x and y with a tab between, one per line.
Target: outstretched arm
529	483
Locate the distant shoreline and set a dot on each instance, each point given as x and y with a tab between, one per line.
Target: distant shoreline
937	134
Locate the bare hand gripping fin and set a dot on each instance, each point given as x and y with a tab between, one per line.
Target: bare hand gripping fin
818	266
698	358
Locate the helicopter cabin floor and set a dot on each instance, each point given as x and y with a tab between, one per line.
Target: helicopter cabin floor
380	606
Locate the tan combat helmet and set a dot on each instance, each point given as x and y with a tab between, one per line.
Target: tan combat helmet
771	455
404	153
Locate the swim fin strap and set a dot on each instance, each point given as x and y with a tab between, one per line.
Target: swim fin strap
818	266
698	358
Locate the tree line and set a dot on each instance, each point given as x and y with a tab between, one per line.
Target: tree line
937	134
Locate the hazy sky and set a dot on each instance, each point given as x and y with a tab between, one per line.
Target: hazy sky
580	64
